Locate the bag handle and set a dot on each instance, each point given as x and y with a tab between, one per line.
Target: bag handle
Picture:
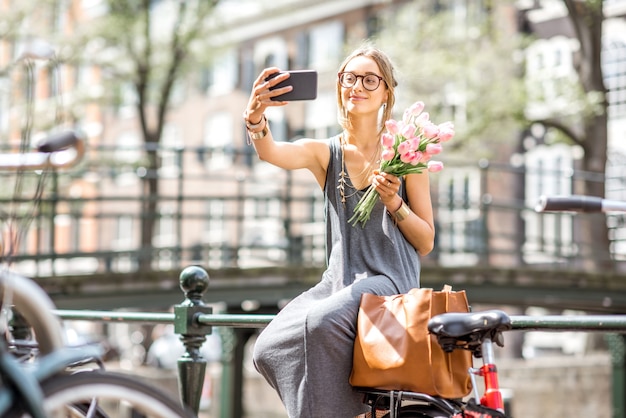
447	289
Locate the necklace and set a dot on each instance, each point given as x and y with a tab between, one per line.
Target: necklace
343	175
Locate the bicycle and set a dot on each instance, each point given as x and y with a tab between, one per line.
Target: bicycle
58	381
40	376
474	331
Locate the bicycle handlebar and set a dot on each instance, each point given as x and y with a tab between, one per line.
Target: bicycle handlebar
578	203
61	150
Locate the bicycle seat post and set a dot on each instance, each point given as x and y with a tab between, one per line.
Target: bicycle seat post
492	396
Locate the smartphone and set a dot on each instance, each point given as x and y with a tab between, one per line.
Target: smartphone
304	84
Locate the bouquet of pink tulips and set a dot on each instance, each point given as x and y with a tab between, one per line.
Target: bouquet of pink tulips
408	146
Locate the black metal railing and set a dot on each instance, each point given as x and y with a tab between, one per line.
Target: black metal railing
246	214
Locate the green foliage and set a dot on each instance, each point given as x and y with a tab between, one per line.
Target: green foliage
146	45
466	71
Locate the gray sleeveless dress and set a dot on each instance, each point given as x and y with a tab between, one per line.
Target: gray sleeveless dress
305	353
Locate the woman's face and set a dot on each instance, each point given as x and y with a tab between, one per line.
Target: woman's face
357	99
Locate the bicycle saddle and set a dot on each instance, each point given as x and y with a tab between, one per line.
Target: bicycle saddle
470	328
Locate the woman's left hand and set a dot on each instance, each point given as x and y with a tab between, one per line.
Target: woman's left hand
387	185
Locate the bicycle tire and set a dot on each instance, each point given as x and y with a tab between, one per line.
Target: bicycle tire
117	396
34	304
419	411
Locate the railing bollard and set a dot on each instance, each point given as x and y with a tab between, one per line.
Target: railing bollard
617	348
194	282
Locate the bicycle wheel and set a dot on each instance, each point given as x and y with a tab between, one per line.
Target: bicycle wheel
419	411
108	394
35	306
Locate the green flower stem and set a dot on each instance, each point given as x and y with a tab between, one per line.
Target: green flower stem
364	207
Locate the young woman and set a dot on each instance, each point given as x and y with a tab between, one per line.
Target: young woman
305	353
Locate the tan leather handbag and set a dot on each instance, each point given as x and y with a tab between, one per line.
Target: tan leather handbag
394	350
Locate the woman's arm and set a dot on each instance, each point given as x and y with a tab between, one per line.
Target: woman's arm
304	153
415	220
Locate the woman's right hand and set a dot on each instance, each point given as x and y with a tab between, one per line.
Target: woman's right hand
261	95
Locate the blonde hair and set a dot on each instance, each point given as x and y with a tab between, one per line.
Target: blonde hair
386	68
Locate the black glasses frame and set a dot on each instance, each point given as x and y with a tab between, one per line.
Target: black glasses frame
362	77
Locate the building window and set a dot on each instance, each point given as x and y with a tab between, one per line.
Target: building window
459	222
218	139
171	145
614	69
326	42
215	232
124	234
551	81
5	104
124	241
128	152
127	100
128	148
271	51
615	189
224	74
166	228
549	236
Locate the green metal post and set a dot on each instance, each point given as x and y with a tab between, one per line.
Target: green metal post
234	344
484	206
617	348
179	205
194	281
229	342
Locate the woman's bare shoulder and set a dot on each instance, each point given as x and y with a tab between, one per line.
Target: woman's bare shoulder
314	142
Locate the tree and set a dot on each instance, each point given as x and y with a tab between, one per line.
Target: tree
475	64
151	46
587	126
464	69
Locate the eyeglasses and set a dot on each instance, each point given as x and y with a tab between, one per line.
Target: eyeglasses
370	82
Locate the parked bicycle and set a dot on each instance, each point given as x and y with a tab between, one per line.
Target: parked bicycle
476	332
61	381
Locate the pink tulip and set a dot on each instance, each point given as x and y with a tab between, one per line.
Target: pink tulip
434	148
404	147
435	166
414	110
388	154
387	140
407	157
422	118
392	126
417	158
446	131
430	130
425	157
408	131
401	145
